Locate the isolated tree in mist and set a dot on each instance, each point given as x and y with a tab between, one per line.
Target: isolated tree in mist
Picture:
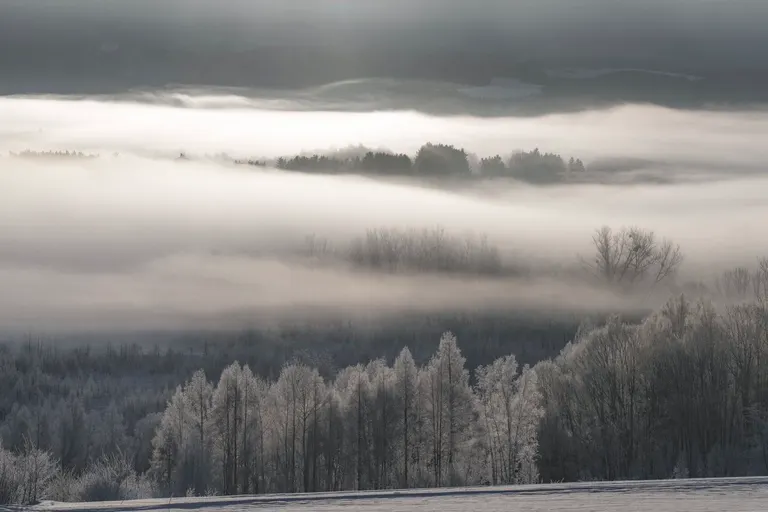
632	255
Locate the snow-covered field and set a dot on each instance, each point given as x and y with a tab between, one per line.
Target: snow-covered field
715	495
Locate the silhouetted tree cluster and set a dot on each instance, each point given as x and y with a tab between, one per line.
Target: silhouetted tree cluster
372	162
493	166
425	251
537	167
53	154
385	163
575	165
314	163
252	162
431	161
422	251
442	160
533	167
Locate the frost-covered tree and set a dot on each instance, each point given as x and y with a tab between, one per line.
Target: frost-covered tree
26	477
169	444
510	412
9	477
298	395
680	394
227	414
406	392
381	422
352	385
197	397
449	405
252	459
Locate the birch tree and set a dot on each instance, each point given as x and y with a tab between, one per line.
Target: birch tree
406	393
450	410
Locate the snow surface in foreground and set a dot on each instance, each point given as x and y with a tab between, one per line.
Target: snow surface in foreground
710	495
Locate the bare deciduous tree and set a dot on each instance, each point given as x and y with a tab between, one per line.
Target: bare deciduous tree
632	255
734	283
760	281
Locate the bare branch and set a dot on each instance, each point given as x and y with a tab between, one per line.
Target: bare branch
632	255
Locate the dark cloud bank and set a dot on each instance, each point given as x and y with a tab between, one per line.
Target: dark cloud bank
79	46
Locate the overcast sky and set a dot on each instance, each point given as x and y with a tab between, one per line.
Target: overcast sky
134	40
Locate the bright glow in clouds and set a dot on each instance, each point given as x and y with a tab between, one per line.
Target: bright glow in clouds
142	241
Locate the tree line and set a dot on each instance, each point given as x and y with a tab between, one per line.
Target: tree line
373	426
431	161
439	160
422	251
93	405
52	154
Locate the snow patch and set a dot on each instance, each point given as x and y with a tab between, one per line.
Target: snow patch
701	495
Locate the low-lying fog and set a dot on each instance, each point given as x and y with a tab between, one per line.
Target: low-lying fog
134	239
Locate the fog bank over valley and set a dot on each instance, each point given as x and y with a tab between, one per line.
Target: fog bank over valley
136	236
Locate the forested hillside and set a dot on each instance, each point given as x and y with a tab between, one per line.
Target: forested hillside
682	393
